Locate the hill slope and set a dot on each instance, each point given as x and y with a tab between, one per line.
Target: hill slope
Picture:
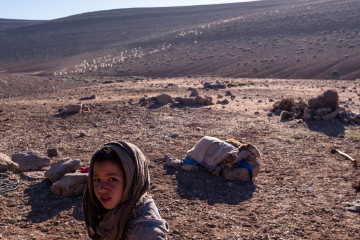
271	38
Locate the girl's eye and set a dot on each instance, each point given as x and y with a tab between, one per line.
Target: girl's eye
112	179
96	180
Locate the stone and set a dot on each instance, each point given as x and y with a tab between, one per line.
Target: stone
71	184
331	115
74	108
30	160
285	115
228	93
92	97
60	168
204	100
223	102
191	101
241	174
278	112
52	152
307	114
322	111
329	98
164	99
214	85
190	168
172	162
6	164
194	93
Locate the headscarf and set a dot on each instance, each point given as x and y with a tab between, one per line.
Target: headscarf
112	224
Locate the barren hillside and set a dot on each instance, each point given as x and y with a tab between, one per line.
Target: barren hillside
271	38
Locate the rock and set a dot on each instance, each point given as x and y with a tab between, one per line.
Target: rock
52	152
220	96
285	115
189	101
228	93
143	101
194	93
29	160
284	104
278	112
223	102
241	174
72	184
34	175
88	98
6	164
60	168
307	114
353	207
215	85
329	98
190	168
204	100
74	108
322	111
331	115
164	99
172	162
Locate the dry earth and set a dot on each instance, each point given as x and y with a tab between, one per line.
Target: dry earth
298	194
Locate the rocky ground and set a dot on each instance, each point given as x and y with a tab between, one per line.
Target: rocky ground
300	192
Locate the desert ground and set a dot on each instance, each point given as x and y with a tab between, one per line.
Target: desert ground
300	192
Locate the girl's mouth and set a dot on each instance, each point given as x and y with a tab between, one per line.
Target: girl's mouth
105	198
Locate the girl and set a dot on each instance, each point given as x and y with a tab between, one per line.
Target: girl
116	204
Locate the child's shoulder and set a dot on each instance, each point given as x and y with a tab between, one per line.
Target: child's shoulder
147	223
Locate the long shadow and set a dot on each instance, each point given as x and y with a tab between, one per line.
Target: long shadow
331	129
212	189
45	205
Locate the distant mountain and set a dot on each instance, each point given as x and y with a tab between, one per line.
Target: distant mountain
270	38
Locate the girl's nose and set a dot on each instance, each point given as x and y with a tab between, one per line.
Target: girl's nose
102	186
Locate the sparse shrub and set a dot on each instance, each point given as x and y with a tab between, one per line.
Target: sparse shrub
107	82
335	73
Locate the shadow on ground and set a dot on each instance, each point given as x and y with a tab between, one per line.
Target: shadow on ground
45	205
212	189
331	129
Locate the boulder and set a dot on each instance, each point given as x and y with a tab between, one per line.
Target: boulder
6	164
71	184
285	115
241	174
190	168
52	152
60	168
284	104
329	98
74	108
194	93
164	99
223	102
214	85
172	162
29	160
331	115
191	101
307	114
204	100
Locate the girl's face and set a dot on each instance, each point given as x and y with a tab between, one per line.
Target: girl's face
109	183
